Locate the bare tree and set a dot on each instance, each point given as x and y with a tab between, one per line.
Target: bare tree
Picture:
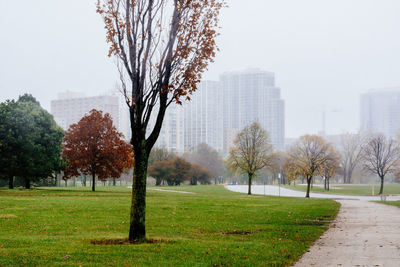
162	48
330	166
307	158
351	154
251	152
380	156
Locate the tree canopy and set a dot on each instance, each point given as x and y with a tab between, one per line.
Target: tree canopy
251	152
93	146
30	141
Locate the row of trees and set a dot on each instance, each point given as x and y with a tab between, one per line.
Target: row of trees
33	148
202	164
312	156
176	171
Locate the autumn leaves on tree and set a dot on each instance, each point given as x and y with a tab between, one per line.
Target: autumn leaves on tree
94	147
311	155
162	48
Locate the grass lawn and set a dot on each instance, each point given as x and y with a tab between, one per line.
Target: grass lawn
351	189
393	203
212	227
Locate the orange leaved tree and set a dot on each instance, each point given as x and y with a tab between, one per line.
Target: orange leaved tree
93	146
162	48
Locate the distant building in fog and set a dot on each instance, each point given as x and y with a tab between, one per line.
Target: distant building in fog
70	107
250	96
203	116
172	131
380	111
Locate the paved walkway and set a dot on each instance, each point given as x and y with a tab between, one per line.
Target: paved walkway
274	190
363	234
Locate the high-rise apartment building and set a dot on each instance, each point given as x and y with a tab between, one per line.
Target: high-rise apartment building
203	117
250	96
380	111
172	131
70	107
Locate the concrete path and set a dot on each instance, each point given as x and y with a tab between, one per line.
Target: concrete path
363	234
274	190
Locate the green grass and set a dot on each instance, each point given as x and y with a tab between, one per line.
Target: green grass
351	189
213	227
392	203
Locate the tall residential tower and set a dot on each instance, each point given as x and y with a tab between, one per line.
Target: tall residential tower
250	96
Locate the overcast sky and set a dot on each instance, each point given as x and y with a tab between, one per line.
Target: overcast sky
324	53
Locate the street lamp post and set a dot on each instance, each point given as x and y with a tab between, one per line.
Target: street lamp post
279	183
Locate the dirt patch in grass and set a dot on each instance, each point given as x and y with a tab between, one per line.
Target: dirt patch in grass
125	241
237	232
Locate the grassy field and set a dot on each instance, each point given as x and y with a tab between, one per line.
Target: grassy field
351	189
211	227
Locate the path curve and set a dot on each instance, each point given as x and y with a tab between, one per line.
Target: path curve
273	190
363	234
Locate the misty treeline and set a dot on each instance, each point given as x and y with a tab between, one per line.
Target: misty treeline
201	165
313	158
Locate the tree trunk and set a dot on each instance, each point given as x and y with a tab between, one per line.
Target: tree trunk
27	183
84	180
11	182
349	175
137	230
250	178
308	186
93	181
158	181
381	190
114	182
66	182
324	183
328	184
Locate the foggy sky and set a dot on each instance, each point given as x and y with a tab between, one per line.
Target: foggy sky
324	53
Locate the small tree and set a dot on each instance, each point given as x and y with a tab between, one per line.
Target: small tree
351	154
94	147
161	170
251	152
330	166
180	173
199	174
307	158
380	156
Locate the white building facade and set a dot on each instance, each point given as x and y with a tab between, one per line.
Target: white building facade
203	117
380	111
250	96
70	107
